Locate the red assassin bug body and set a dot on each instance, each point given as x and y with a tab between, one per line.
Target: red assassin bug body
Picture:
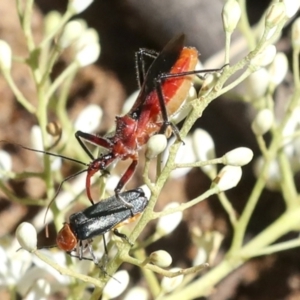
163	90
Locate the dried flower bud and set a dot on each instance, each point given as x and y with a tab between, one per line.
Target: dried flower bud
228	177
54	129
238	157
161	258
275	14
156	145
89	118
263	121
27	236
296	34
78	6
170	284
5	56
168	223
116	285
231	15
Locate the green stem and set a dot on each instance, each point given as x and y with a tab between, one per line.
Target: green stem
244	25
242	223
287	222
19	96
228	208
288	187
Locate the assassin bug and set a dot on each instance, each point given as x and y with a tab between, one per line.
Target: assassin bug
98	219
164	87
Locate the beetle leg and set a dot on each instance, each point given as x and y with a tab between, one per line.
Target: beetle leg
122	236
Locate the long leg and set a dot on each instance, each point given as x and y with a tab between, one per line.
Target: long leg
163	108
58	190
124	179
158	85
164	76
140	65
93	139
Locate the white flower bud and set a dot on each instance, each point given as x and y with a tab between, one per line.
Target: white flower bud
5	163
89	118
51	21
56	163
201	257
265	57
36	138
184	109
231	15
256	84
275	14
185	154
168	223
161	258
227	178
116	285
156	145
238	157
129	102
89	36
263	122
111	182
27	236
289	129
204	148
296	34
71	33
87	47
137	293
291	7
39	290
5	56
278	69
170	284
273	178
208	84
88	55
78	6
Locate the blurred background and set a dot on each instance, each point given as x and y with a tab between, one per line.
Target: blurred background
124	26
